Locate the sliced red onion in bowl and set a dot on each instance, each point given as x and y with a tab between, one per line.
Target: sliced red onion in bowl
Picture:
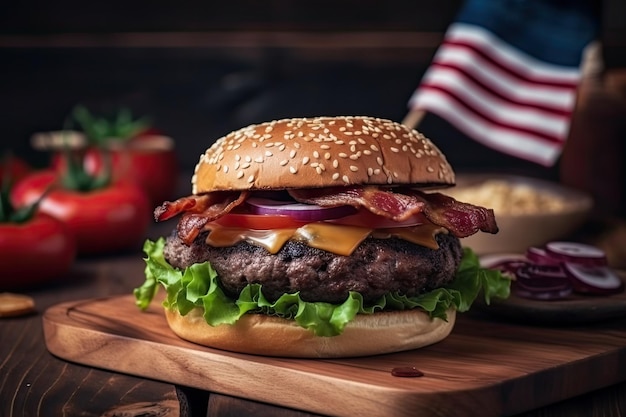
593	279
578	253
298	211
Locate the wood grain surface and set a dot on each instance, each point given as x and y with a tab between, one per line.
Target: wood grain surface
485	368
35	383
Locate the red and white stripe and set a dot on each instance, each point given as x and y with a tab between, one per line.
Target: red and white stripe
499	95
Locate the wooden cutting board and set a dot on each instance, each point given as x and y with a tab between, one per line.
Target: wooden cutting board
484	368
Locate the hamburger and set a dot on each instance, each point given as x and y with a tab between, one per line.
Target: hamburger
319	237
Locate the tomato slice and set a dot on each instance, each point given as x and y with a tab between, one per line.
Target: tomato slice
259	221
363	218
366	218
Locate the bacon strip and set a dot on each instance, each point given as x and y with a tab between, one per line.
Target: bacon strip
199	210
462	219
388	204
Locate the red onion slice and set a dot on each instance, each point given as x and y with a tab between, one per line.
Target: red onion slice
577	253
547	271
298	211
593	279
544	295
540	256
541	287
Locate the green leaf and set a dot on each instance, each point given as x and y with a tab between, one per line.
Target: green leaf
197	286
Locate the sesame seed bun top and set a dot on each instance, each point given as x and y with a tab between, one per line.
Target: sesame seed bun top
321	152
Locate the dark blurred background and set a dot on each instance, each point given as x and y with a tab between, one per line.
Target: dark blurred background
201	69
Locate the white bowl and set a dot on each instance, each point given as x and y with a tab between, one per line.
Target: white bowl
529	211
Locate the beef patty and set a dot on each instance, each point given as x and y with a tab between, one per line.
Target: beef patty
376	267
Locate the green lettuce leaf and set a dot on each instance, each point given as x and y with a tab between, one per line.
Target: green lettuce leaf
197	286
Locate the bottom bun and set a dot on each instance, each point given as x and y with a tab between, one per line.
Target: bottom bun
366	335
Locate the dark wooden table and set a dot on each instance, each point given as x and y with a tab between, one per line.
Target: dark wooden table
33	382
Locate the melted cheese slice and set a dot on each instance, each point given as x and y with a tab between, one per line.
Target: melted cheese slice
335	238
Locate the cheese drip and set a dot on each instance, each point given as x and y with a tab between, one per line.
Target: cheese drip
335	238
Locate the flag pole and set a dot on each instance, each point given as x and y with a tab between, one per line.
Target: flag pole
413	118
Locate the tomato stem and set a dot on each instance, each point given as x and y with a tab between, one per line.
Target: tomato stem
102	132
76	176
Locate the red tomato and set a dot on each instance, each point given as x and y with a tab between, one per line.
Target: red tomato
36	251
107	220
149	160
258	221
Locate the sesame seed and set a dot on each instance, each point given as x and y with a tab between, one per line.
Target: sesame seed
293	169
284	162
268	153
327	155
251	179
240	175
316	154
236	165
237	157
394	149
343	155
430	169
370	172
346	179
354	168
335	163
335	176
225	169
259	160
324	146
379	160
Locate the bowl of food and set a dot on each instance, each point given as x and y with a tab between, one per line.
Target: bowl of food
530	211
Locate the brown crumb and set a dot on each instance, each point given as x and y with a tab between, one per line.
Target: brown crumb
12	305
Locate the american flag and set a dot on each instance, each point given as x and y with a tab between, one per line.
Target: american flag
507	74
